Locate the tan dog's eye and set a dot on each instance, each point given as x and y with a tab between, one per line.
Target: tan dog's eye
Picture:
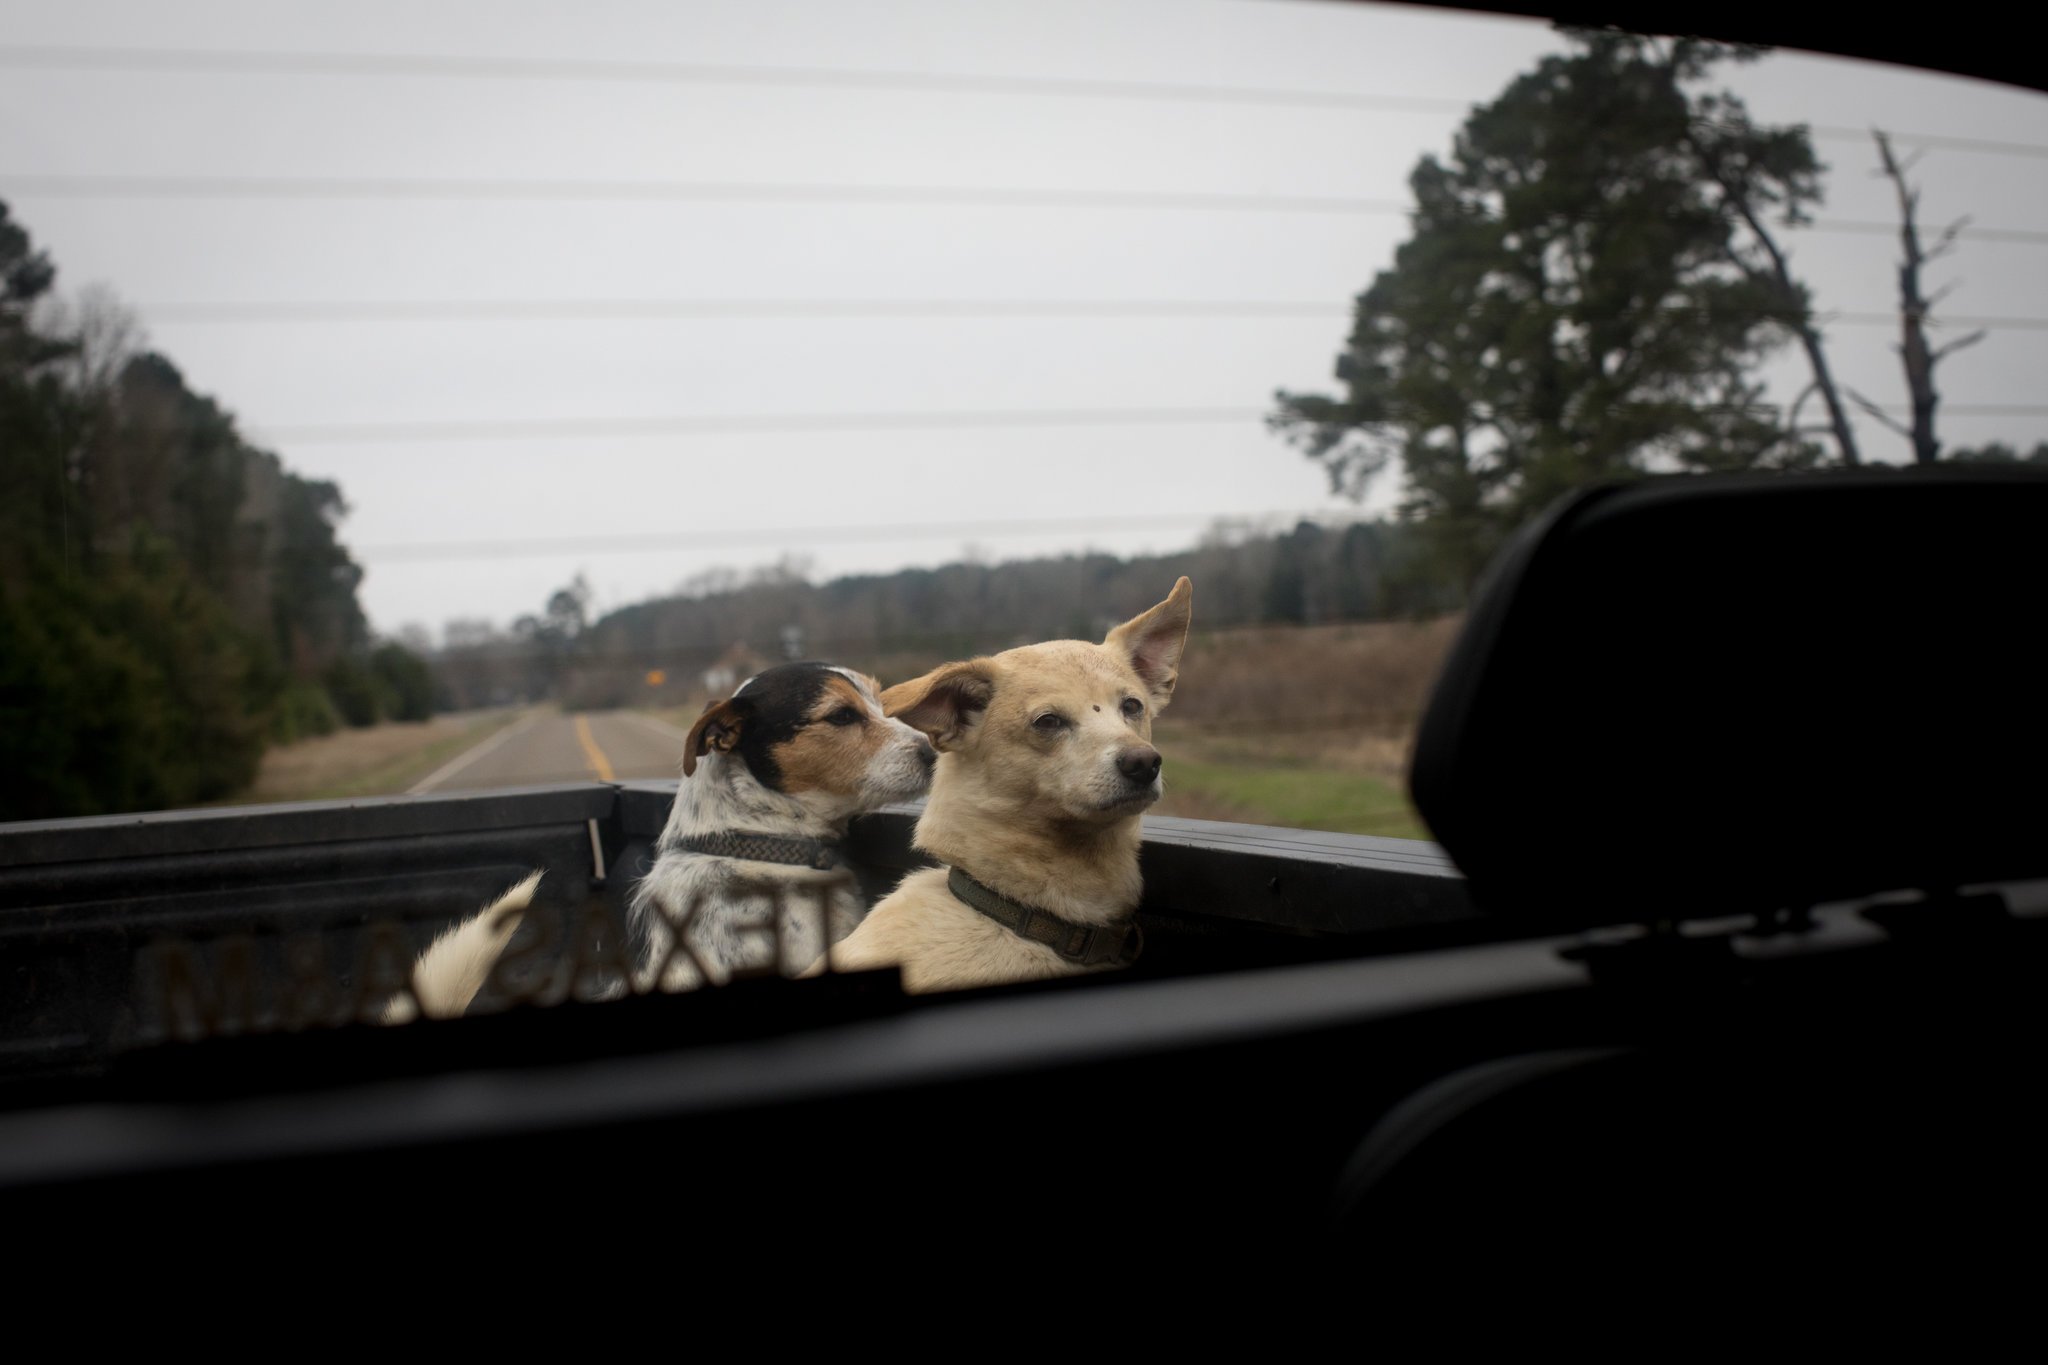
1051	723
1133	708
845	715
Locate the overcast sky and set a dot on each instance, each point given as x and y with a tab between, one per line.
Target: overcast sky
1011	163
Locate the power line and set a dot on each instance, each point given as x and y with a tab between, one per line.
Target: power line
342	187
1956	320
1934	141
571	310
1979	409
1892	230
672	191
580	427
584	428
79	58
692	73
459	310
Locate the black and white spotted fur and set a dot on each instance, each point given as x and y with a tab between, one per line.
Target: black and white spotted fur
744	789
754	763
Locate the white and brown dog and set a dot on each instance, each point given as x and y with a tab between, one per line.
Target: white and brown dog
748	874
1045	769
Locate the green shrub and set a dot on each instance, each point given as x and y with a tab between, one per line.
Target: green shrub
407	683
128	688
303	711
356	692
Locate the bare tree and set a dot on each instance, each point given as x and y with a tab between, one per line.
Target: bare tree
1915	312
105	332
1755	171
119	482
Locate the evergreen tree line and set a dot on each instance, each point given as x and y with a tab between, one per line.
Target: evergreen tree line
171	597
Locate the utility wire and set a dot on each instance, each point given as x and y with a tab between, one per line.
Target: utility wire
677	191
546	428
690	73
344	187
1935	141
580	427
1866	228
457	310
571	310
220	62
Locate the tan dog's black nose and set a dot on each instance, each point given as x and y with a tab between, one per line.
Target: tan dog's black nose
1139	766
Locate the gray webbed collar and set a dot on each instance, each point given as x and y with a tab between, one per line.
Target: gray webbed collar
820	855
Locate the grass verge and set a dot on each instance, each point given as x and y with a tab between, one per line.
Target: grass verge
1291	798
378	760
1346	782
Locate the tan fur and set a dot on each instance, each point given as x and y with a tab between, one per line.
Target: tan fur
1039	816
455	966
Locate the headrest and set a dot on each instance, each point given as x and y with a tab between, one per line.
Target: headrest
1697	696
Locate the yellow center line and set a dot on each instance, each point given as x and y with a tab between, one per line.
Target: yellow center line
598	763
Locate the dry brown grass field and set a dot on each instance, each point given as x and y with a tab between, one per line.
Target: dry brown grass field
1307	727
1368	678
377	760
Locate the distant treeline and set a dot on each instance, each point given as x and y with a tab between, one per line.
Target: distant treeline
716	630
171	597
894	625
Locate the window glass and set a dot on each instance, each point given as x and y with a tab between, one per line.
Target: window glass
426	400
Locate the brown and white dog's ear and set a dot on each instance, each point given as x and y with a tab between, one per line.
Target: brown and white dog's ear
1151	643
718	728
943	702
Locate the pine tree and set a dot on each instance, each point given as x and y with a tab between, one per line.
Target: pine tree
1588	293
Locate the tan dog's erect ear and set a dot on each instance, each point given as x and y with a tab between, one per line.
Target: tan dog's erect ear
718	728
942	702
1152	642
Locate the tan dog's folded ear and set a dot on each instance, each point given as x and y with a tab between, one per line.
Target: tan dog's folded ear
1152	642
718	728
944	701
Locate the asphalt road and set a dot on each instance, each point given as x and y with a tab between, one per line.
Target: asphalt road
588	746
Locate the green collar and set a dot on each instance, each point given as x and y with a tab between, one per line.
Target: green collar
1085	945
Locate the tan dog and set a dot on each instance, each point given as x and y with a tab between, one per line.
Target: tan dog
1045	769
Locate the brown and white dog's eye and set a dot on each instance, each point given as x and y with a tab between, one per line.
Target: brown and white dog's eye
1051	723
1133	708
845	715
